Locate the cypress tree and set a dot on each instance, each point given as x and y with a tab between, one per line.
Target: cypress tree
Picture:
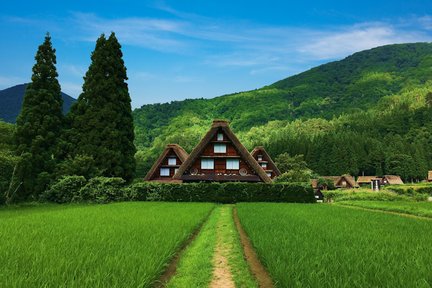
39	123
101	120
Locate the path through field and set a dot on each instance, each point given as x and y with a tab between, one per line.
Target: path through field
216	257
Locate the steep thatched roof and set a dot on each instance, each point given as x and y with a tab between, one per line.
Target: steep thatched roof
244	153
393	179
261	150
365	179
177	149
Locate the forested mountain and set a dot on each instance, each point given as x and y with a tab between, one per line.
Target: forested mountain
11	100
364	114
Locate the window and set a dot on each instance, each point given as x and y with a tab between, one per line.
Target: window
269	174
219	148
164	172
220	137
207	164
172	161
232	164
264	165
260	157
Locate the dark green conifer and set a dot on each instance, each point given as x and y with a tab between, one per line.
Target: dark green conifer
40	122
101	120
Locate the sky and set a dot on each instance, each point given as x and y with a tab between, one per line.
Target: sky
181	49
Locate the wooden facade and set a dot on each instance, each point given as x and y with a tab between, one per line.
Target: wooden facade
265	161
165	167
221	157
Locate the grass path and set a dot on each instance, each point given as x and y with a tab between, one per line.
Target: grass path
215	258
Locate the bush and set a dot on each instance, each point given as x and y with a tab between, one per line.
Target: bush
102	190
411	190
64	189
220	192
352	195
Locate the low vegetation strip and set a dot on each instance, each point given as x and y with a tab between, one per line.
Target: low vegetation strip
334	246
258	270
115	245
422	209
195	268
215	258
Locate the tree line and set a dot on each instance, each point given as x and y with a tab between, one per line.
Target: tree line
94	139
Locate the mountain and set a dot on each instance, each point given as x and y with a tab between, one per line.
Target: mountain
11	100
372	80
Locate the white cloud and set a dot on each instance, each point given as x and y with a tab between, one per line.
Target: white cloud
337	44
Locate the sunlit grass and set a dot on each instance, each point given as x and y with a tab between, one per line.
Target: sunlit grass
332	246
115	245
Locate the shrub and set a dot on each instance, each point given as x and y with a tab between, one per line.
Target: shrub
102	190
411	190
351	195
64	189
220	192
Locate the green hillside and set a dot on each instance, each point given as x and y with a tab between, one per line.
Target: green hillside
378	81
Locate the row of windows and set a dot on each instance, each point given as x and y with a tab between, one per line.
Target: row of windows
166	171
231	164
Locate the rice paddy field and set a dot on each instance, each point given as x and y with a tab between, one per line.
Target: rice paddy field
115	245
423	209
311	245
131	244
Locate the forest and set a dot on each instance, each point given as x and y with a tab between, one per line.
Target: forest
369	113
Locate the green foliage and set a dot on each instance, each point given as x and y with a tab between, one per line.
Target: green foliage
325	182
64	189
342	116
294	169
8	159
101	123
360	195
39	123
104	190
101	190
83	165
221	192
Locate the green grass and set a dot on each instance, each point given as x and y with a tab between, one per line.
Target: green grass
364	194
333	246
196	264
415	208
115	245
195	268
238	266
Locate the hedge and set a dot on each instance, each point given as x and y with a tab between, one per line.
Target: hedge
411	190
230	192
104	190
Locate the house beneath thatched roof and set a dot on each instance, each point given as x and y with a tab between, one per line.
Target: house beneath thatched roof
167	164
391	180
220	157
365	180
265	161
429	179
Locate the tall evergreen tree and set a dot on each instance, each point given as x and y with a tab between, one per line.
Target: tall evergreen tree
39	123
101	120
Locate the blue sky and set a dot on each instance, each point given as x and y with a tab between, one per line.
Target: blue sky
189	49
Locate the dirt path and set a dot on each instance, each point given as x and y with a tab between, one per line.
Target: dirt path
258	270
386	212
222	276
